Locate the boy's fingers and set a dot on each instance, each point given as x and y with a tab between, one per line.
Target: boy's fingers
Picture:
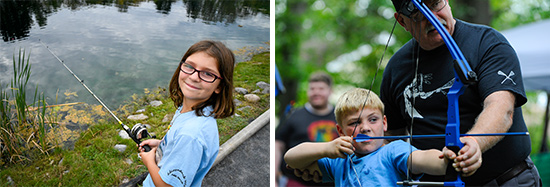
349	150
449	154
341	155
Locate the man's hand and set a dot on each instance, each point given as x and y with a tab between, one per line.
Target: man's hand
468	159
307	174
337	147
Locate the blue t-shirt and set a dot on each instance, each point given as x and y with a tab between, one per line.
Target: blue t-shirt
383	167
188	150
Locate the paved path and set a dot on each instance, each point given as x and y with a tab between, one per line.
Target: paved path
243	160
248	165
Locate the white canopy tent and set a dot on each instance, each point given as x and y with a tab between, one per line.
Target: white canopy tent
532	44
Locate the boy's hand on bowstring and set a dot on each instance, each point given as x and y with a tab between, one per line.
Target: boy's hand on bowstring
339	146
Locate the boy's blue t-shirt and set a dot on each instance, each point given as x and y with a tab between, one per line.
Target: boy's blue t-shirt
188	149
383	167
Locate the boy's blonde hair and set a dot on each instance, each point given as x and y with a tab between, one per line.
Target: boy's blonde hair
354	100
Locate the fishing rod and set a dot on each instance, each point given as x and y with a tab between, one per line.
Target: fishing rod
137	132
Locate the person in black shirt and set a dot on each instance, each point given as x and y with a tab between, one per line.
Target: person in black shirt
315	122
418	77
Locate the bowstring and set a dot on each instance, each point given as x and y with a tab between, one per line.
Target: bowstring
375	74
368	94
415	57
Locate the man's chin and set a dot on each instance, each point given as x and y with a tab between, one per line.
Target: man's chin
318	106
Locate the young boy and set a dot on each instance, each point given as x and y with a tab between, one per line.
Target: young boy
372	162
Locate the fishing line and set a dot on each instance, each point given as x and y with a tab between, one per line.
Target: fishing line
136	133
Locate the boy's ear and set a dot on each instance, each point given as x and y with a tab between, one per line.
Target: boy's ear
340	130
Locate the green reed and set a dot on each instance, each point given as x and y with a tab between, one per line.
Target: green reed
22	126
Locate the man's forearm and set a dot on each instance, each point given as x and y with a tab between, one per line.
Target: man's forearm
496	117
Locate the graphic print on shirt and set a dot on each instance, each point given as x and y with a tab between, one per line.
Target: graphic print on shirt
420	93
322	131
178	174
507	77
158	154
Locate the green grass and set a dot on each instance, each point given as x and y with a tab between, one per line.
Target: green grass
246	75
95	162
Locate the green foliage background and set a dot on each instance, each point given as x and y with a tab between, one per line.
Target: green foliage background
312	33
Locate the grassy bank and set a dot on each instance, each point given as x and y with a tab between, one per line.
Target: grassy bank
95	162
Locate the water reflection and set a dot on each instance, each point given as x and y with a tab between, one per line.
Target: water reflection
16	16
119	47
224	11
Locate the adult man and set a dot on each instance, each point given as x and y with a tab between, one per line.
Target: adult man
313	123
418	76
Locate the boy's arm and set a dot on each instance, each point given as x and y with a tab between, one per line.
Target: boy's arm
428	162
305	154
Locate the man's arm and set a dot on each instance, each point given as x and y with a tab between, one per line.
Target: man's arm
311	172
496	117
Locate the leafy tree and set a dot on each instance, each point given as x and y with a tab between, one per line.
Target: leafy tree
347	38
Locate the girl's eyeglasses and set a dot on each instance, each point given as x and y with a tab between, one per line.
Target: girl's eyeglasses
206	76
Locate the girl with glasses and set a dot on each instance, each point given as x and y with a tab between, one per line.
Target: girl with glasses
202	91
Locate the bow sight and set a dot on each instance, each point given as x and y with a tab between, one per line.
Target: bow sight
137	132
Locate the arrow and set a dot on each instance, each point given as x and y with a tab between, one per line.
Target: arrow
363	137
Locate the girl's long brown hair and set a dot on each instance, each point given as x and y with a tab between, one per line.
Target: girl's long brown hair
223	102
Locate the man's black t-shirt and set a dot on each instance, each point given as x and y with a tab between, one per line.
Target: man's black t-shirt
497	67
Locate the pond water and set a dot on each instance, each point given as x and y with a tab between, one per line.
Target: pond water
120	47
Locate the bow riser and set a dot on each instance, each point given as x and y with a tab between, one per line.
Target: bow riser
452	130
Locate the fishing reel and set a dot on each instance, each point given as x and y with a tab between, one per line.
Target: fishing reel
139	131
